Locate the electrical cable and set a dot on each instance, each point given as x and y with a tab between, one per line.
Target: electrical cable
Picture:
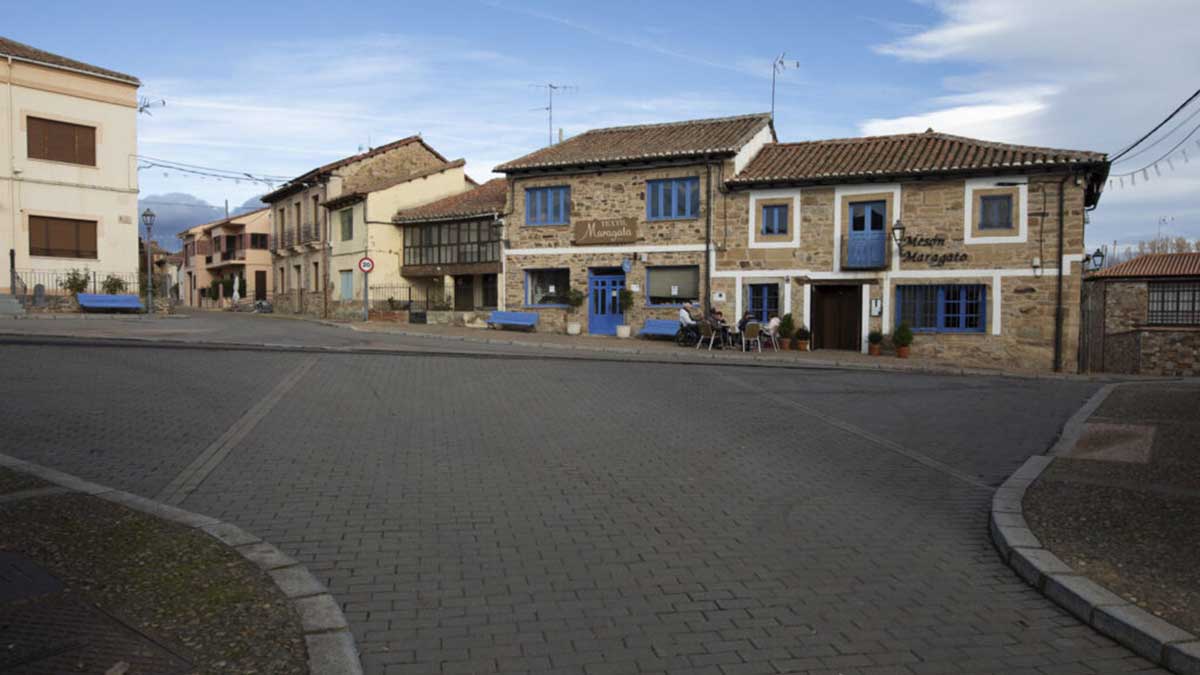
1158	126
1162	157
1161	138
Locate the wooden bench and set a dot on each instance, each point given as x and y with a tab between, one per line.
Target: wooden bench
518	319
104	301
660	328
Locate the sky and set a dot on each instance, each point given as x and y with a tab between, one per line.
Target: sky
276	89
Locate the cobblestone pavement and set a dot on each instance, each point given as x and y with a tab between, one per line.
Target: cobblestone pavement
491	515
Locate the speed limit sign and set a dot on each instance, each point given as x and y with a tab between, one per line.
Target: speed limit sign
365	265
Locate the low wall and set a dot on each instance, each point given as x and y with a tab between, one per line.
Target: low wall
1170	351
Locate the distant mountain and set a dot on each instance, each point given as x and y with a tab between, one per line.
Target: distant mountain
177	211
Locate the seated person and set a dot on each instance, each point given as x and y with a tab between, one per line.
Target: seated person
748	317
773	326
685	315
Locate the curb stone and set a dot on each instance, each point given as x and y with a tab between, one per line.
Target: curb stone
327	636
1145	634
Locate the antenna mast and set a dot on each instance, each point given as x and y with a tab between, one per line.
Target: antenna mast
550	89
778	66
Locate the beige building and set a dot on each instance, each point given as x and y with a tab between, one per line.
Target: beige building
308	250
218	253
977	245
68	169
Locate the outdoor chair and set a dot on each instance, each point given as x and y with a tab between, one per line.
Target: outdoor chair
752	336
707	332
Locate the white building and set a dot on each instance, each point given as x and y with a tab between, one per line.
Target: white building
68	169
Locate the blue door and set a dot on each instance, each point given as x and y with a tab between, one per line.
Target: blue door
866	245
604	303
763	301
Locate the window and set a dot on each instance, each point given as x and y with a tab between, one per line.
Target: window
347	216
995	212
546	287
316	277
672	285
60	141
62	237
346	284
258	241
548	205
948	308
1174	303
452	243
774	219
762	301
672	199
864	215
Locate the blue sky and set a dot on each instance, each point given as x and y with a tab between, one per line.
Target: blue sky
278	88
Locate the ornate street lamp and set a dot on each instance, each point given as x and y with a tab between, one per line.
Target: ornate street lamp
148	221
898	236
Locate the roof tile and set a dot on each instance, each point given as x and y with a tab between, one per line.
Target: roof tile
1154	265
24	52
486	199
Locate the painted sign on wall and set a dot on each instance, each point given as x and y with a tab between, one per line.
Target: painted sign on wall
606	231
931	258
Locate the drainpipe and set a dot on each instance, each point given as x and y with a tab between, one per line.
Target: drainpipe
708	206
1058	293
12	187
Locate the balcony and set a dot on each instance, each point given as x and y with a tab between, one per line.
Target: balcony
864	250
228	257
310	235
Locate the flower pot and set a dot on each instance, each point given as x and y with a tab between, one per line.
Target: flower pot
624	331
801	345
574	328
785	344
902	352
874	349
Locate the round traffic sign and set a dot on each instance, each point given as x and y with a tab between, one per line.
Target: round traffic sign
365	265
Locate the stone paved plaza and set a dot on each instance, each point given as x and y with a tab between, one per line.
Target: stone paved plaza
479	514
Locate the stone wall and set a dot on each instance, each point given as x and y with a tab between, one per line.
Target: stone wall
1126	303
1170	351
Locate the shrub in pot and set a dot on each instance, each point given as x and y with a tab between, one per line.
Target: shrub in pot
625	297
574	299
875	342
902	337
787	328
803	335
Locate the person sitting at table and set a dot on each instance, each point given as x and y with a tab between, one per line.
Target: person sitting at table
685	315
748	317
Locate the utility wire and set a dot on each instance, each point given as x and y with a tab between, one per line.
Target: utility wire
1161	158
1161	138
1158	126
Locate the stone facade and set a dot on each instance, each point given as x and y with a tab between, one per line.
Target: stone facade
1131	346
1170	351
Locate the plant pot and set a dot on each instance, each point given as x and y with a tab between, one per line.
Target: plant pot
902	352
624	332
874	349
785	344
574	328
801	345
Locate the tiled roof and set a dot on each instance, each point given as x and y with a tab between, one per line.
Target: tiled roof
486	199
245	218
298	181
24	52
898	156
691	138
1154	265
385	182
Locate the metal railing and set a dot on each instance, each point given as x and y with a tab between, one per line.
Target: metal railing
309	233
857	257
32	284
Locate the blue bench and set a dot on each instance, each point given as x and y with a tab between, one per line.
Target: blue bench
660	328
94	301
520	319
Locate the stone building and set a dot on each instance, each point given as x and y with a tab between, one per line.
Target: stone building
986	269
1143	316
302	246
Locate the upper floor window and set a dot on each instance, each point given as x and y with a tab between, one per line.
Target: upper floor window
995	212
62	237
866	216
548	205
1174	303
258	241
774	219
347	216
945	308
60	141
673	198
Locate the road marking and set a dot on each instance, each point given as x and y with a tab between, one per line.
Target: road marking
191	477
860	432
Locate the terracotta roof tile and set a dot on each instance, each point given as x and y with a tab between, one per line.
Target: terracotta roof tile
297	182
897	156
385	182
486	199
691	138
1154	265
24	52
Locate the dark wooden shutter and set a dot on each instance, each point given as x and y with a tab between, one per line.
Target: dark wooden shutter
60	141
62	237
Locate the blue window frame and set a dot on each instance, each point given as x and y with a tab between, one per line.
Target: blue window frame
548	205
673	199
949	308
547	288
774	219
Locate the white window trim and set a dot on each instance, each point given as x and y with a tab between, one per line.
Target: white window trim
973	184
793	218
840	193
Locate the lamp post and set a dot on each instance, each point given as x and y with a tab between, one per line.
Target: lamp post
148	221
1094	261
898	236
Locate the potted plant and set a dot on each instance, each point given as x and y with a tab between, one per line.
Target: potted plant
626	299
803	335
875	342
902	337
573	299
787	328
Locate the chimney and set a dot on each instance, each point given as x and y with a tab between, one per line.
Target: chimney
560	135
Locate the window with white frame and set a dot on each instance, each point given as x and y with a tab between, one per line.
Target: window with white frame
995	212
547	288
774	219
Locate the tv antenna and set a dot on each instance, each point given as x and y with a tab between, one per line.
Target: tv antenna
549	108
778	66
145	103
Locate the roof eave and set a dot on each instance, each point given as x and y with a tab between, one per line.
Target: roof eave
58	66
447	217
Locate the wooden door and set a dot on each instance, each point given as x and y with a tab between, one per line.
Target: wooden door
837	317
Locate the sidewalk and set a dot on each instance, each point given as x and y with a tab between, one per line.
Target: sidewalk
88	585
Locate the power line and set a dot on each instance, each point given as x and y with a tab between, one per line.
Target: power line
232	172
1158	126
1161	138
1164	156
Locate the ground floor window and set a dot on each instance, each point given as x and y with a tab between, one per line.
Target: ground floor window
346	284
672	285
944	308
762	301
547	287
62	237
1174	303
491	293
